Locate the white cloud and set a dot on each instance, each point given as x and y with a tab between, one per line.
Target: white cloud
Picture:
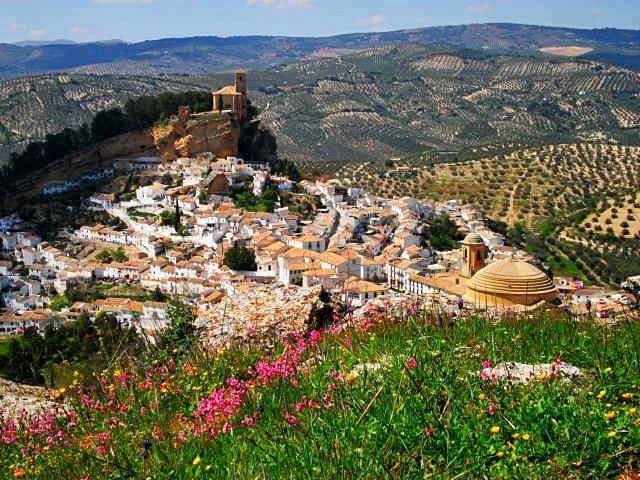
372	21
282	4
122	2
37	34
80	30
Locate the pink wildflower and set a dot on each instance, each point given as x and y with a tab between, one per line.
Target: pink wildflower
291	419
249	421
412	364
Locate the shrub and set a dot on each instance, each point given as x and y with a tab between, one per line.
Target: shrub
240	258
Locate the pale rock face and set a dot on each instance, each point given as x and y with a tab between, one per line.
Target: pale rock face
16	399
260	314
188	138
515	372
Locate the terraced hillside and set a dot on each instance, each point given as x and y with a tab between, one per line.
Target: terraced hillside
396	100
31	107
379	103
574	204
207	54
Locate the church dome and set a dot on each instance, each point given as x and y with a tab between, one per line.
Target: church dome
472	238
509	282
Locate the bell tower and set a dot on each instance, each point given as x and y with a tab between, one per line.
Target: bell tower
474	254
241	81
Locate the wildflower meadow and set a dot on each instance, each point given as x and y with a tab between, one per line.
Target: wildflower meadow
391	395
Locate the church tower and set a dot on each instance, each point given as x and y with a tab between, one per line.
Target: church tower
241	82
474	254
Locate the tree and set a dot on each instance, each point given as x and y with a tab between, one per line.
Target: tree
104	256
158	296
443	233
119	255
60	302
108	123
240	258
182	332
178	223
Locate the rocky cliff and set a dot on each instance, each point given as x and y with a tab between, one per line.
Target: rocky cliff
188	135
184	136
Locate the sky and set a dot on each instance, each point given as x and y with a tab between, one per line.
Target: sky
137	20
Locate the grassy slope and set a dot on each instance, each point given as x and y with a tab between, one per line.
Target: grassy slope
372	423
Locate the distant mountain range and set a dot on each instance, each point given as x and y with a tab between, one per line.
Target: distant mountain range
201	55
42	43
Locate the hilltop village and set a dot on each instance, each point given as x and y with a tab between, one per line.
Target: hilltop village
253	251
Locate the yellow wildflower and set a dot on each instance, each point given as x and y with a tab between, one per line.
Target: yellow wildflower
612	434
627	396
633	410
526	436
608	370
494	429
351	376
610	415
500	454
601	394
196	461
515	436
482	396
62	390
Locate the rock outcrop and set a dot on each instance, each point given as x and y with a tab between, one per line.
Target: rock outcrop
259	315
17	399
189	135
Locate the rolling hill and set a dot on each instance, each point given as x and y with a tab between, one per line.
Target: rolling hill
378	103
396	100
199	55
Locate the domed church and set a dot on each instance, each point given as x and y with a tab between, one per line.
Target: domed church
505	283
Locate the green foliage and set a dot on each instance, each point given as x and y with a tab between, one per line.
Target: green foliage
119	255
138	114
61	302
240	258
171	219
517	234
107	255
286	168
443	233
264	203
104	256
181	334
399	399
30	357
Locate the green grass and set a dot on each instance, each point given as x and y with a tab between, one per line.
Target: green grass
363	410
